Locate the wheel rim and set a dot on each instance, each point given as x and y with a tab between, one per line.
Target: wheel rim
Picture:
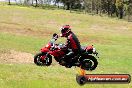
88	64
46	61
39	60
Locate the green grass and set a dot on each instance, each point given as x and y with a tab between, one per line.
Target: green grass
31	76
28	29
21	43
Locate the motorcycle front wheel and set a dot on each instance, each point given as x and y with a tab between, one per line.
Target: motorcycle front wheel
42	62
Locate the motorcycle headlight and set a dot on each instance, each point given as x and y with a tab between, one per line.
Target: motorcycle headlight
47	45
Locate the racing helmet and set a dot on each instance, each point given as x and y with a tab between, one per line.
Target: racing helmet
65	30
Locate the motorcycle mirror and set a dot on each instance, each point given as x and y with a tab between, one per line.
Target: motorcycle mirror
55	36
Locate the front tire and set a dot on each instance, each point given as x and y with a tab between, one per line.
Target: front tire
42	62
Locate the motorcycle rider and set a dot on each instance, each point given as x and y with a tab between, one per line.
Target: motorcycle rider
71	43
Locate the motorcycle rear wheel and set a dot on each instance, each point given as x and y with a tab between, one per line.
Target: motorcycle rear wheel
89	62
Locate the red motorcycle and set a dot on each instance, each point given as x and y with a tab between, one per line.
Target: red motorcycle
85	59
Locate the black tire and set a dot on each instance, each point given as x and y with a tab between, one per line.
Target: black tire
81	80
46	62
89	62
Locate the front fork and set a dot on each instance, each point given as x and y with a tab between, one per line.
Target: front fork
46	57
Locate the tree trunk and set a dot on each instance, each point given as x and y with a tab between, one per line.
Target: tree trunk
121	12
36	3
32	2
9	2
130	12
68	6
108	8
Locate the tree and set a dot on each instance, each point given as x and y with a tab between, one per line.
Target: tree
130	11
68	4
9	2
120	8
36	3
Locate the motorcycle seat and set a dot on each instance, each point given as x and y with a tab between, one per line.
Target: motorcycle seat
83	49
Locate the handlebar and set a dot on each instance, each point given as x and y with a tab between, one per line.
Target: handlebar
59	46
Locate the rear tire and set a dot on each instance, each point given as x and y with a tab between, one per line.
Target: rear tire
38	61
89	62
